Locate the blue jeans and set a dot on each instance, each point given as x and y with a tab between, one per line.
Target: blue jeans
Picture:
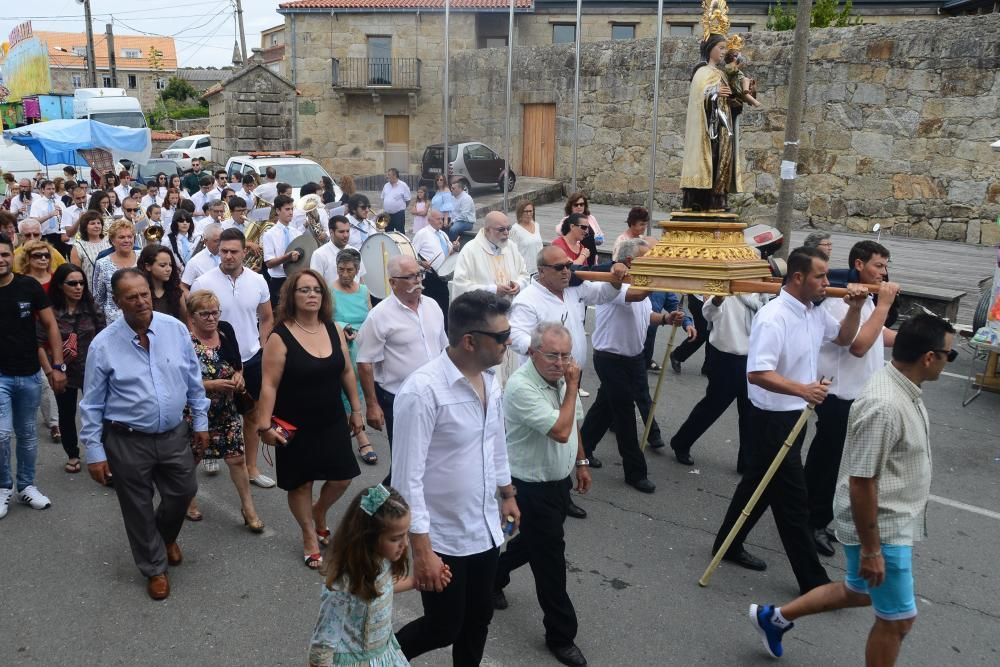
457	227
20	396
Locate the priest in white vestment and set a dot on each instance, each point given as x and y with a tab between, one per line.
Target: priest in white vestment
490	262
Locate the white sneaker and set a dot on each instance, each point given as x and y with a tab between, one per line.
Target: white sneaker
584	393
33	497
211	466
263	481
5	495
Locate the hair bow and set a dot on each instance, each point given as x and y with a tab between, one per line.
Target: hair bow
373	499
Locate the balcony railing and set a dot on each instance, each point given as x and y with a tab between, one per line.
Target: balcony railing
376	73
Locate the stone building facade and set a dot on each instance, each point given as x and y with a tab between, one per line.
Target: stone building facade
897	129
252	110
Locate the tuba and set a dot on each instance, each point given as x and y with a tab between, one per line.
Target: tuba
310	204
254	259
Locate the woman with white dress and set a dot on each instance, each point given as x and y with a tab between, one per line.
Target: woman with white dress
90	243
526	236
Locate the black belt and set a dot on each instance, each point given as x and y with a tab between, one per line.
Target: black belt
125	429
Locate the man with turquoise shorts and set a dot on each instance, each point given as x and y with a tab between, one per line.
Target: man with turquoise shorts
881	499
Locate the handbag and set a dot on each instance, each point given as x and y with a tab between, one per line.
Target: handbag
71	344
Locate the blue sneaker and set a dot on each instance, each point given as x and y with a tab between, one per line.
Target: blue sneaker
769	632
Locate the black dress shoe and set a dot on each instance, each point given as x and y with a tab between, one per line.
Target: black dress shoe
674	364
657	444
568	654
595	462
499	600
643	485
575	511
683	457
744	558
822	541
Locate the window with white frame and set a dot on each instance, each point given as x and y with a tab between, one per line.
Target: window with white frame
161	83
77	81
106	81
131	53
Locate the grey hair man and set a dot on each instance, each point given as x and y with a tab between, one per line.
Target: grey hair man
489	262
821	240
205	259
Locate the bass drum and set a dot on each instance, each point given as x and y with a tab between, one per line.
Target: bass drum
376	252
447	270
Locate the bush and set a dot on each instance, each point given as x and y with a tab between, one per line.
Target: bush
188	112
178	89
825	14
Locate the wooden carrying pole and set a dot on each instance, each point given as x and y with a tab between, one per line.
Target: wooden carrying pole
659	385
745	514
735	286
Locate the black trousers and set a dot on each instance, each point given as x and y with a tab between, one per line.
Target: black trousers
66	402
55	240
823	460
785	495
386	400
274	286
540	543
397	222
459	615
727	381
436	287
689	347
624	385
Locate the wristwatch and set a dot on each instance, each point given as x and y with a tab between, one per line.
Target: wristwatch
59	367
582	462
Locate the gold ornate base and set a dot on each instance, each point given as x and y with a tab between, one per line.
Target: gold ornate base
699	253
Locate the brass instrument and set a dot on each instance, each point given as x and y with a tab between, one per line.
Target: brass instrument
254	259
311	204
382	221
153	233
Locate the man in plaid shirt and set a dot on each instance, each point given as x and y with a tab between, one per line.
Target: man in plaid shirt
881	499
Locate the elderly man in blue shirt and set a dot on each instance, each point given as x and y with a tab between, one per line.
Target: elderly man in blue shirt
141	372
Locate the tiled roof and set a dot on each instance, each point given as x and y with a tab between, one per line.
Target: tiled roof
74	40
403	4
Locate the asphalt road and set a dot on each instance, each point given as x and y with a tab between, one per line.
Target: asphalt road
71	595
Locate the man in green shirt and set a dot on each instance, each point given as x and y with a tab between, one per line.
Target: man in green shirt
192	181
543	411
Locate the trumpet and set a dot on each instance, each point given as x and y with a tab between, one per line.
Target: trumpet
153	233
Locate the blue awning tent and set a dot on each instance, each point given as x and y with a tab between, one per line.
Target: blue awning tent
57	141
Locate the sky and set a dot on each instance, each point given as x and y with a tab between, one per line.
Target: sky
203	31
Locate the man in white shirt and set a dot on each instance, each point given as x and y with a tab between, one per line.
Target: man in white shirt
450	462
324	259
205	259
463	212
395	197
357	215
245	303
433	247
783	377
490	262
848	369
730	337
71	216
124	187
48	211
214	212
204	195
21	204
268	190
401	333
619	334
275	242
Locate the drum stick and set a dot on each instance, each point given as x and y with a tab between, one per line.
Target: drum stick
659	385
745	514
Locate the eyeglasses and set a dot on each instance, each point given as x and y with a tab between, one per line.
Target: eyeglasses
500	337
419	275
32	235
502	230
556	356
309	290
951	355
74	283
585	228
558	267
362	207
209	314
40	255
580	203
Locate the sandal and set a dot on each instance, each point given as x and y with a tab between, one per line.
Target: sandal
313	561
369	457
72	466
323	536
194	515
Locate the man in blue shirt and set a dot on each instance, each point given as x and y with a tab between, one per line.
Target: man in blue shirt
141	372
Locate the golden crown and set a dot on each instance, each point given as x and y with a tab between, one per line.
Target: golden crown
715	18
734	43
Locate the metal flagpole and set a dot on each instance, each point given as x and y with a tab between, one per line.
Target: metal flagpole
576	89
510	68
656	115
447	88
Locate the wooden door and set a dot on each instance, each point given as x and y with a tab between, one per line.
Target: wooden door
397	143
538	148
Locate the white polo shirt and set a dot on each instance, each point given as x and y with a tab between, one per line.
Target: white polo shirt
324	260
19	208
238	301
41	207
785	337
201	263
849	373
433	245
70	217
398	341
275	241
731	321
536	304
620	326
199	199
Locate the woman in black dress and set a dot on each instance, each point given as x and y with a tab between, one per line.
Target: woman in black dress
304	371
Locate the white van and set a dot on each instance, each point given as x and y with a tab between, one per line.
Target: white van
108	105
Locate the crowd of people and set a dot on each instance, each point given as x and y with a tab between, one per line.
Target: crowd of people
173	349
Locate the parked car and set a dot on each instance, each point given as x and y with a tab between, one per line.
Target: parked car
147	172
185	148
474	163
294	170
995	145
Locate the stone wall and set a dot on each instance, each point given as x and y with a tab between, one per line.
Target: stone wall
253	111
145	89
897	126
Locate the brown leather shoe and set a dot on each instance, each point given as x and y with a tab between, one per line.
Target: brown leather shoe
158	587
174	555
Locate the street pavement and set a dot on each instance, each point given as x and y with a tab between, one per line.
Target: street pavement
72	596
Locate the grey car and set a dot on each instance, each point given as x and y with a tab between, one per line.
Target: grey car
472	162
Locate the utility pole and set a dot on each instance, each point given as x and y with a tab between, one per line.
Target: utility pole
793	122
91	61
243	37
651	201
111	54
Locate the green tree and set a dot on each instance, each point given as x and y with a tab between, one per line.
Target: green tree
825	14
178	89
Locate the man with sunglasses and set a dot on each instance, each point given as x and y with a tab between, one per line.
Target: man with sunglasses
358	208
450	463
881	500
490	262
